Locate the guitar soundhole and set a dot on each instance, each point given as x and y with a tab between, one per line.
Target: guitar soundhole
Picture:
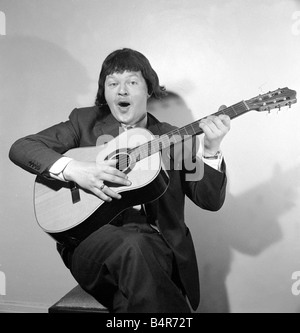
123	161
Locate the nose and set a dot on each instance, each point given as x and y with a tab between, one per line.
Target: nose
122	90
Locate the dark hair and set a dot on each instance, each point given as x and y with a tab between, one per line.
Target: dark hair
128	60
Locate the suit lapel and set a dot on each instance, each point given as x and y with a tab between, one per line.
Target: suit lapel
153	125
108	126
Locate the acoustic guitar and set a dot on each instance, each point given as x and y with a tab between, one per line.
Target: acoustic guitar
69	213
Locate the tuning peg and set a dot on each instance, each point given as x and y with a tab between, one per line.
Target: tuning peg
268	110
278	107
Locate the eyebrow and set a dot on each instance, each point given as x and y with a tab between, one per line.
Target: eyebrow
113	75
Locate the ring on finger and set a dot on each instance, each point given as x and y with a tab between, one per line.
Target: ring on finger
102	187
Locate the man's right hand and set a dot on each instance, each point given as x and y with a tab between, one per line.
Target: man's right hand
91	176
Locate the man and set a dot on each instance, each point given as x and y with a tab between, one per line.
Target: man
144	260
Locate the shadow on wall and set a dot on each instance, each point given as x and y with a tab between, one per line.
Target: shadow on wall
39	83
248	223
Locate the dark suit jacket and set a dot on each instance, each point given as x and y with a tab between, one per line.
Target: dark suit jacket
36	153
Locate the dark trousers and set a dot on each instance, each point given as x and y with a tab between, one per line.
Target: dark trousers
129	269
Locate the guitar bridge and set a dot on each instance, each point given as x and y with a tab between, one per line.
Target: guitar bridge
74	192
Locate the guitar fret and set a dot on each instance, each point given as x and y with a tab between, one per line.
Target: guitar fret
230	113
192	127
232	108
149	148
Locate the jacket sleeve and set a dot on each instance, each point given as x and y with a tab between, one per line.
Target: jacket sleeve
209	189
209	192
37	152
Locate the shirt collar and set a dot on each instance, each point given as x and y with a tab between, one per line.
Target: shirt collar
142	123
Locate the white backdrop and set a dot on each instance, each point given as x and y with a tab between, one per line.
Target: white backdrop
210	53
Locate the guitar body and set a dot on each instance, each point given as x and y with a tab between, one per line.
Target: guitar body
69	213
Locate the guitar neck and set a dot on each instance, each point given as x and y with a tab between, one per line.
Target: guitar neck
233	111
182	133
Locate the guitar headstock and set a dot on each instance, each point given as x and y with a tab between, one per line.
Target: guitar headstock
272	100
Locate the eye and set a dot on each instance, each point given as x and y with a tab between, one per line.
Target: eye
112	84
133	82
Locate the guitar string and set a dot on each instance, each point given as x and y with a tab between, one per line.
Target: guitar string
177	135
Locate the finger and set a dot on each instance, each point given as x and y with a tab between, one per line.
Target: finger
99	193
220	122
103	176
112	161
226	120
107	163
205	127
117	172
209	125
113	171
222	107
111	193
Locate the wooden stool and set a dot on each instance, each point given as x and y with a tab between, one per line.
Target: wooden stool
79	301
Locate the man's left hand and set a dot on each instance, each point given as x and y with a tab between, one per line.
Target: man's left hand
214	128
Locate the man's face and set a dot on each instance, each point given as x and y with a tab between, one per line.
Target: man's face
126	95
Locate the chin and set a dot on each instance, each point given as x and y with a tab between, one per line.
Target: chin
125	120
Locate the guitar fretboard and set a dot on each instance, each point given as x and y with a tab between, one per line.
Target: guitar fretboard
182	133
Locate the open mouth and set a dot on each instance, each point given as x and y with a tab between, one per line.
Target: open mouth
123	104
